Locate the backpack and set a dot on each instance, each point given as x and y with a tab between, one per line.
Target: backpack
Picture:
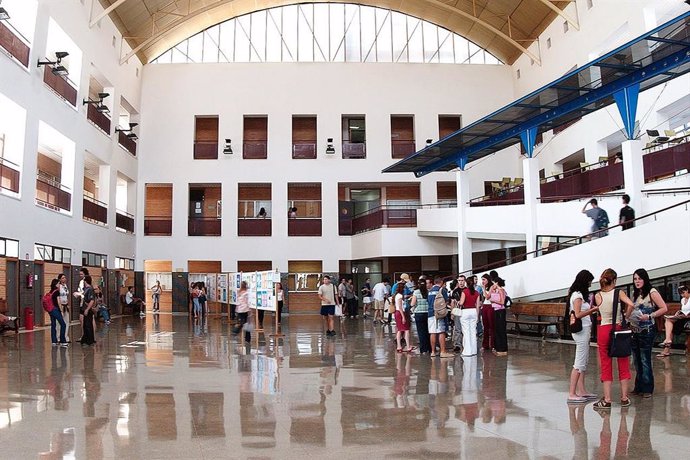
47	302
507	302
602	220
440	307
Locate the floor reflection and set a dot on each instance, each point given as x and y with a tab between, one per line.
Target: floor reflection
153	381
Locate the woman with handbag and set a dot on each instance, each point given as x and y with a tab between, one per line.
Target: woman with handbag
611	313
642	314
402	320
581	330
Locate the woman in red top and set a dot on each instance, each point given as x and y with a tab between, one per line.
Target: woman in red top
470	302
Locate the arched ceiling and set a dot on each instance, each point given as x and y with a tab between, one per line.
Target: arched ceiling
505	28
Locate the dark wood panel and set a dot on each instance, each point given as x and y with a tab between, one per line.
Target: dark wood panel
254	227
9	177
254	192
404	264
124	222
304	129
304	191
304	227
446	191
52	195
60	85
206	150
254	265
255	129
128	144
95	211
158	226
209	226
402	192
402	127
204	266
448	124
206	129
255	150
14	45
305	302
101	120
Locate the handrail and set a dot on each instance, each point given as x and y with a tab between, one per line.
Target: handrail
573	171
17	33
673	140
52	181
579	238
4	160
664	191
124	213
579	197
95	201
383	207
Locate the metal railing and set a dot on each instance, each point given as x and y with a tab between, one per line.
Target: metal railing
94	210
124	221
9	175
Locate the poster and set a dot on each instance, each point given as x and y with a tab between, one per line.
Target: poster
260	287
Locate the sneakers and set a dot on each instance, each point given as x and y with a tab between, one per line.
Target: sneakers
330	333
602	405
64	344
625	402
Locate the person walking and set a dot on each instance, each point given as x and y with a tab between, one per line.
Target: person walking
627	215
56	315
366	298
420	307
647	305
456	288
380	292
470	304
579	306
328	296
604	299
438	327
600	218
488	338
243	316
497	295
156	291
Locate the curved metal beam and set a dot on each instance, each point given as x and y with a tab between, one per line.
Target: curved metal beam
105	12
561	13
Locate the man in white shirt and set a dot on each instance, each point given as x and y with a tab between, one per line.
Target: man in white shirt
380	293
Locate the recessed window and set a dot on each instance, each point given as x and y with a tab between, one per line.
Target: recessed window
124	263
91	259
49	253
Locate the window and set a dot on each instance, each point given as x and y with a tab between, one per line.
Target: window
206	138
91	259
448	124
354	137
49	253
124	263
9	248
255	139
402	136
303	137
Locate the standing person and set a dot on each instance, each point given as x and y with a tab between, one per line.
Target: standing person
380	293
56	315
470	304
280	296
342	291
488	337
627	214
63	298
243	316
79	294
202	297
366	297
420	307
196	305
88	333
402	320
328	295
578	301
156	291
351	299
676	323
600	219
647	305
438	327
605	299
497	295
456	289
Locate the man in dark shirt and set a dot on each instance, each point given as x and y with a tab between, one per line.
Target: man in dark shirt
627	215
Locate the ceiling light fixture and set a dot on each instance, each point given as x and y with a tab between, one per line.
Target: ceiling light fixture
330	150
57	69
227	150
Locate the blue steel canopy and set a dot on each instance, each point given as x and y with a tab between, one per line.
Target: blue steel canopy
649	60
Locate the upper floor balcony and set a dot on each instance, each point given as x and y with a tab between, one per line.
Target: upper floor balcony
95	211
12	41
127	142
98	118
61	85
51	194
124	221
9	175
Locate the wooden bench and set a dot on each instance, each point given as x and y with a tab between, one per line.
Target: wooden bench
661	322
541	315
12	324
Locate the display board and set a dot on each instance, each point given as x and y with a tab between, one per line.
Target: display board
222	287
164	278
260	287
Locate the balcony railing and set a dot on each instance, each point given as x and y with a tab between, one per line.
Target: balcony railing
386	216
124	221
255	150
512	195
11	41
354	150
251	226
205	150
60	85
304	150
590	180
668	162
127	143
100	119
304	226
52	194
95	211
401	149
158	226
9	175
204	226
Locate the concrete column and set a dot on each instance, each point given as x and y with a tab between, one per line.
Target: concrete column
464	244
633	171
279	204
530	170
427	191
104	184
594	150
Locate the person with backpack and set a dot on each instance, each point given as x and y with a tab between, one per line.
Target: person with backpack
600	219
438	317
51	305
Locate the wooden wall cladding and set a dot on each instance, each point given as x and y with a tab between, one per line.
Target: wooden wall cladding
305	303
158	201
304	191
154	266
204	266
402	127
405	264
90	186
50	272
254	265
305	266
446	191
255	129
206	129
49	166
448	124
303	129
254	191
402	192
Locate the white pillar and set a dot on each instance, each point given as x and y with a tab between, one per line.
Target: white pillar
530	170
427	191
279	204
633	170
464	244
594	150
103	184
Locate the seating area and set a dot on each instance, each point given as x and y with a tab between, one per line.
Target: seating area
660	323
537	315
12	324
670	137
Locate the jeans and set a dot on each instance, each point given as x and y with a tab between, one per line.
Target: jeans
56	316
457	332
243	318
642	357
421	320
103	310
197	306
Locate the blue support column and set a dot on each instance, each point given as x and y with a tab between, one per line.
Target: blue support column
626	100
528	138
462	163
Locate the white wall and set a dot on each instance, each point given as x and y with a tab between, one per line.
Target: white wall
174	93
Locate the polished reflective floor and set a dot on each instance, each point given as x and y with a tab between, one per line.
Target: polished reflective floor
170	388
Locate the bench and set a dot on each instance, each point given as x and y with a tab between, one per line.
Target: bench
546	314
661	322
12	324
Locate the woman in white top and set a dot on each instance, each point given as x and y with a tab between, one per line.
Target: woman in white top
402	320
156	290
674	324
579	308
280	296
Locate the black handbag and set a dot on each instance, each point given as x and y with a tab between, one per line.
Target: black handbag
575	323
620	345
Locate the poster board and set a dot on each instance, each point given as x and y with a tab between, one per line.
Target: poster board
260	287
222	287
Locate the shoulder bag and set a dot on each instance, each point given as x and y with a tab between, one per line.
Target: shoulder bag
620	345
